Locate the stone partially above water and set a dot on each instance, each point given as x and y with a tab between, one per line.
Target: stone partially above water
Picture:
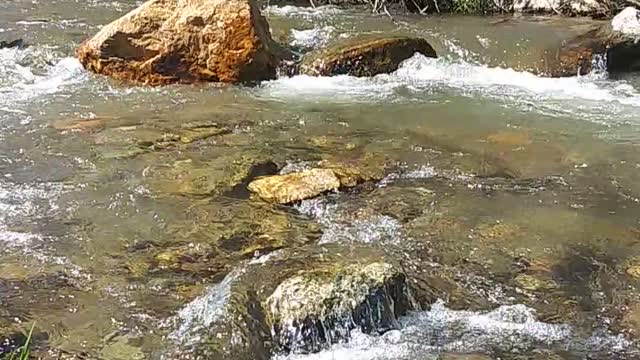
323	305
575	57
293	301
330	174
285	189
627	22
364	58
168	41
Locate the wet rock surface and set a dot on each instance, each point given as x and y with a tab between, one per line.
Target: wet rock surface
283	304
618	48
296	186
164	42
366	57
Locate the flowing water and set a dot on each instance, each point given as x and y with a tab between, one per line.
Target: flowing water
527	189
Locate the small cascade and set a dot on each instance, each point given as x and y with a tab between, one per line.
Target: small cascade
31	72
507	329
599	63
378	313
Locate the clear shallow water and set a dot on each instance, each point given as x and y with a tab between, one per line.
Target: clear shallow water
86	215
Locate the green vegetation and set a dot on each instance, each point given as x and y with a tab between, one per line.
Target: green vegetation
466	7
477	6
21	353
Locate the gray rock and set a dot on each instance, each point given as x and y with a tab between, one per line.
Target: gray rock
627	22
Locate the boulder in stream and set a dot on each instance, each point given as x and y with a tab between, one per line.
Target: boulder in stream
168	41
364	57
320	305
623	45
620	50
293	301
627	22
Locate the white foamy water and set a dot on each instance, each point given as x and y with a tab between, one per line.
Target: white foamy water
340	88
25	202
420	71
202	312
594	96
425	334
312	38
31	73
306	12
344	227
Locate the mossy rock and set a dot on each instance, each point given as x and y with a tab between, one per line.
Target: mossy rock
313	290
129	141
214	177
363	58
321	306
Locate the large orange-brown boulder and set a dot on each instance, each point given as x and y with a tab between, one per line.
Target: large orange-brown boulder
364	57
168	41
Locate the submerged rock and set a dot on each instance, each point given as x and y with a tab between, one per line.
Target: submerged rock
121	348
364	58
284	189
308	180
534	283
220	175
168	41
79	124
352	172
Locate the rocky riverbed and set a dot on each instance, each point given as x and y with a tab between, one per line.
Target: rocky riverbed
374	187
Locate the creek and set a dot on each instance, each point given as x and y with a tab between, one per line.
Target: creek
122	209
